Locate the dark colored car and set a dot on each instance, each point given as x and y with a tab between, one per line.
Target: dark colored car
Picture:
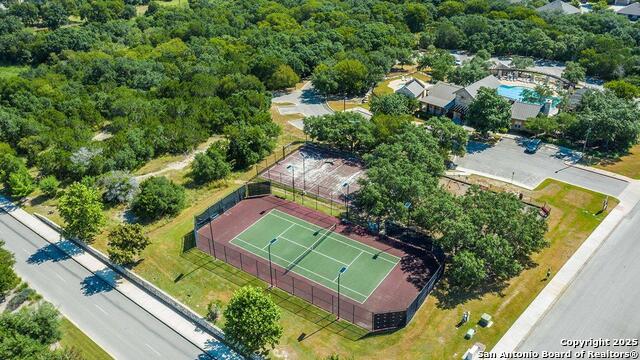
532	146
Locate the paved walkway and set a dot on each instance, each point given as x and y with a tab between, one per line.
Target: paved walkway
152	305
520	330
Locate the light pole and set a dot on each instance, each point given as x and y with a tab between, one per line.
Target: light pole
513	174
293	180
586	139
346	197
342	270
270	268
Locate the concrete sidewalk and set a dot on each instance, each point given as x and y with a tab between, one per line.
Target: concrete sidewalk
186	328
554	289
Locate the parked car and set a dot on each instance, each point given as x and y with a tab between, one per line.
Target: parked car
532	146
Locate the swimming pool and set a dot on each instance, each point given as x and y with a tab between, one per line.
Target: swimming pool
515	93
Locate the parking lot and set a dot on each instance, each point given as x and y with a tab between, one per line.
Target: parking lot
507	161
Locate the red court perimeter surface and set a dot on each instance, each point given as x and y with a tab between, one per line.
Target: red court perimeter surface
395	293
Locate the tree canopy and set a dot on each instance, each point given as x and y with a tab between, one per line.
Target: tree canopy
489	112
252	321
81	209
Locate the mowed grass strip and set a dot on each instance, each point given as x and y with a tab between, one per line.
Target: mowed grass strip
72	337
627	165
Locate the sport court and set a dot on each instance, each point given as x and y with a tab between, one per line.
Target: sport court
318	254
318	171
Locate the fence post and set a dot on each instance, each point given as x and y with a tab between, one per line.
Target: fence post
214	247
225	254
241	268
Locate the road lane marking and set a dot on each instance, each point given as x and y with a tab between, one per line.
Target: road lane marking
60	277
152	349
101	309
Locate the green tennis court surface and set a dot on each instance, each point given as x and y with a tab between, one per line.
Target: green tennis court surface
318	254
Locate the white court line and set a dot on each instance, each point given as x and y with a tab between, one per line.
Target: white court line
381	280
351	263
277	237
303	268
340	241
101	309
152	349
314	251
310	248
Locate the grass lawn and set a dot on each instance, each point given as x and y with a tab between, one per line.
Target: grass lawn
628	165
339	105
11	71
432	333
75	338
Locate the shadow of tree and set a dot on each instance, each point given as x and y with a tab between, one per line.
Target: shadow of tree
62	250
101	281
476	147
450	296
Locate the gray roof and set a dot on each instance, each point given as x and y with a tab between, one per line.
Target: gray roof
630	10
441	94
524	111
490	82
559	6
413	87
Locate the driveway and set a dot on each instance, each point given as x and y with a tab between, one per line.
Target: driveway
305	101
507	161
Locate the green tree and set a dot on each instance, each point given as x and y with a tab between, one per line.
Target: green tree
345	130
467	270
489	112
521	62
416	16
283	77
543	125
623	89
252	321
605	121
126	243
247	145
452	138
81	209
440	63
538	95
393	104
26	11
209	166
470	72
574	72
158	197
54	14
20	183
8	277
119	187
49	185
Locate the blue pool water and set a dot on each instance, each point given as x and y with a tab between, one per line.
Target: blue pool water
515	93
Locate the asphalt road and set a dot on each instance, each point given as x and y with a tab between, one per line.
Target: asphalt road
508	160
306	101
602	301
117	324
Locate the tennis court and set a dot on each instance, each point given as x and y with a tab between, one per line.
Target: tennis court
317	254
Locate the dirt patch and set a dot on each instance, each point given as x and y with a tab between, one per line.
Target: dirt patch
579	198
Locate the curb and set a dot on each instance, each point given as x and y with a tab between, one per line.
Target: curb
88	250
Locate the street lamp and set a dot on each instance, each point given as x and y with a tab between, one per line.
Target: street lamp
293	180
346	197
342	270
270	268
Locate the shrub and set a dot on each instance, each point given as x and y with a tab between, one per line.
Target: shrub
119	187
158	197
49	185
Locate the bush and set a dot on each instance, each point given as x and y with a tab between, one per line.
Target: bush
49	185
126	242
19	299
210	166
119	187
8	278
158	197
20	183
214	309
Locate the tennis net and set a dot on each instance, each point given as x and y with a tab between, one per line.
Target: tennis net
313	246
